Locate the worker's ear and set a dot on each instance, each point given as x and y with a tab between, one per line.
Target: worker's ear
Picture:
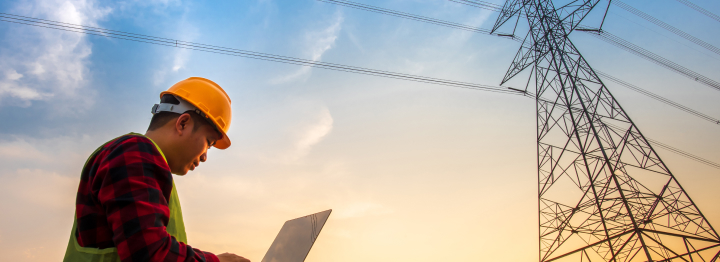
183	124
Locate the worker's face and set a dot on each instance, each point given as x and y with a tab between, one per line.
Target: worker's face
193	146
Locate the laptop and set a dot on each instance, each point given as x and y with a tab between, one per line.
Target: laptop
296	237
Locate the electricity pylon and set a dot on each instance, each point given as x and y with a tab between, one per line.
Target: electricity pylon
603	192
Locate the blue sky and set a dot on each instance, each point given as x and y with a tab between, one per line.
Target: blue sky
407	167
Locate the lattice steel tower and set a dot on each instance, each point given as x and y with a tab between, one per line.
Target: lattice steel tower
604	193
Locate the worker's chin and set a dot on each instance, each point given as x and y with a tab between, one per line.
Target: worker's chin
181	172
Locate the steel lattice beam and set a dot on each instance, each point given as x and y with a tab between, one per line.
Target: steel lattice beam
603	192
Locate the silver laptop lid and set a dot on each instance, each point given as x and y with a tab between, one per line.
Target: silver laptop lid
296	237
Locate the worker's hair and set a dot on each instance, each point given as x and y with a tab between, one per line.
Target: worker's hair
160	119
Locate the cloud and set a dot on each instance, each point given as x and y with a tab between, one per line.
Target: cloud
315	132
308	135
185	31
317	43
293	128
21	150
61	154
33	186
48	64
354	39
180	59
40	64
458	38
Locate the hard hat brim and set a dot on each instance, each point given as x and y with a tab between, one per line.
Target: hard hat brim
222	143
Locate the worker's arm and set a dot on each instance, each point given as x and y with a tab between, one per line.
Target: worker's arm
230	257
135	188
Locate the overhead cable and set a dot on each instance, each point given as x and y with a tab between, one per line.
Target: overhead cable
658	98
485	31
97	31
700	9
652	57
636	50
489	6
244	53
384	11
480	4
683	153
651	141
666	26
671	148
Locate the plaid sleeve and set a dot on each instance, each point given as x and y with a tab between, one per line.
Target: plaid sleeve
134	192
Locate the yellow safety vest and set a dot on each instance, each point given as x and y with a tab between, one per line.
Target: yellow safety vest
175	227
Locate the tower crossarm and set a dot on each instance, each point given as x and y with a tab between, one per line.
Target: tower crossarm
526	56
509	10
535	44
575	12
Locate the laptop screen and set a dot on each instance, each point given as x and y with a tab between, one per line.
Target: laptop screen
296	237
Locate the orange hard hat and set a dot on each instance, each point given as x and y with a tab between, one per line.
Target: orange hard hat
210	99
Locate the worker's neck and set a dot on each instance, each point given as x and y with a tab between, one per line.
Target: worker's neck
161	139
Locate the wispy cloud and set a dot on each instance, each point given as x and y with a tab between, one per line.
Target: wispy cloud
460	37
20	149
61	154
317	43
186	31
298	126
49	64
33	186
314	133
354	39
305	135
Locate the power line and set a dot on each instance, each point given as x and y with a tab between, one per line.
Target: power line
384	11
485	31
671	148
658	22
480	4
641	52
652	57
658	98
623	5
98	31
700	9
651	141
668	37
666	26
244	53
418	18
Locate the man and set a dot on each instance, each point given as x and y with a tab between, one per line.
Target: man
127	208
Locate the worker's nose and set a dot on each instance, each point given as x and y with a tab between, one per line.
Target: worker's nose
203	157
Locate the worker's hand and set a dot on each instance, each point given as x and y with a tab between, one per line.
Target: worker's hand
230	257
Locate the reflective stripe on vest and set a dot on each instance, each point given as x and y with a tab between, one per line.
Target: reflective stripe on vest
175	227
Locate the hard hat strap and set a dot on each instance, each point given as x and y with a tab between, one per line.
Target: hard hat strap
181	108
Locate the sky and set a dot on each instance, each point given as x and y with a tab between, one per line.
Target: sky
412	171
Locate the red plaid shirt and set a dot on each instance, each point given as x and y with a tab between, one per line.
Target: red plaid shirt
122	202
